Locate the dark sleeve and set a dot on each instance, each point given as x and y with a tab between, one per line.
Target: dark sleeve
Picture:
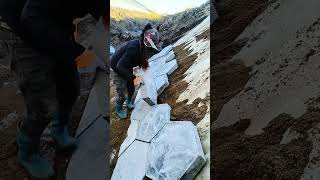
126	63
46	36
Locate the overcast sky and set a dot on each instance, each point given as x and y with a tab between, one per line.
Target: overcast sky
159	6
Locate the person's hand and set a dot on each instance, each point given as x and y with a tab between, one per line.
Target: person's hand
90	60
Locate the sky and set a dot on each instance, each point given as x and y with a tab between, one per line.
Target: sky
159	6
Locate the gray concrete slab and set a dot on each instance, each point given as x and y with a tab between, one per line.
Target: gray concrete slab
131	164
153	122
162	82
140	109
167	68
131	136
175	152
91	160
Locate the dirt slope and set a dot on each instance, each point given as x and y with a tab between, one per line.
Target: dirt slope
266	126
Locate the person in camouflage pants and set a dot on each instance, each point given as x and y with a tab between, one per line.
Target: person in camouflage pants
43	55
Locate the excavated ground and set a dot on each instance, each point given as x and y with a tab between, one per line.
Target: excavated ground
235	155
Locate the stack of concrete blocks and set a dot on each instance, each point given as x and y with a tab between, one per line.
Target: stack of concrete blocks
156	147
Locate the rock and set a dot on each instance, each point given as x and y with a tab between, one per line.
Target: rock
161	83
175	152
153	122
131	164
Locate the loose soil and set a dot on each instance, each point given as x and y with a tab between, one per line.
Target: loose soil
182	110
236	155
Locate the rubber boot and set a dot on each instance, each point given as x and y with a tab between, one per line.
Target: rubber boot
29	157
59	132
129	103
120	112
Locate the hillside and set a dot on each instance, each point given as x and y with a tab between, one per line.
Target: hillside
266	80
123	14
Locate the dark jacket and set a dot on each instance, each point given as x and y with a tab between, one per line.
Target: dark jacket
47	25
127	57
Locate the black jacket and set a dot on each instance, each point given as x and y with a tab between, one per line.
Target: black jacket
127	57
47	25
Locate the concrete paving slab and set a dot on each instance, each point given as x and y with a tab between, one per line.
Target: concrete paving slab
162	82
175	152
131	136
140	109
165	51
131	164
168	68
90	160
153	122
169	57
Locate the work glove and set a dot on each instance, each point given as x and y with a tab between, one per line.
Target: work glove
88	59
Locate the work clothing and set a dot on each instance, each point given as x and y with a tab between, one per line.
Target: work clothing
126	58
29	156
43	58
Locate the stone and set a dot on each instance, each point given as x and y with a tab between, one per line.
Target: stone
90	160
168	68
162	82
175	152
153	122
131	164
131	136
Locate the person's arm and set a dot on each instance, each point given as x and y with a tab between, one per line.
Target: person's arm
46	36
124	65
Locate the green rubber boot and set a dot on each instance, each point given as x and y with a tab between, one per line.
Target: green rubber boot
59	132
29	157
129	103
120	112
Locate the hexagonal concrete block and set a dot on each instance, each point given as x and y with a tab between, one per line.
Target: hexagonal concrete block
161	83
153	122
175	152
140	109
131	164
131	136
168	68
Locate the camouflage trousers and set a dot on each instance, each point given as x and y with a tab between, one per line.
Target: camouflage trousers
121	87
48	84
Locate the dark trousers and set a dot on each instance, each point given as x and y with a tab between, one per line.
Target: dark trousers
48	84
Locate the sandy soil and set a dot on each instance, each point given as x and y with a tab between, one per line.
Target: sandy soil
265	120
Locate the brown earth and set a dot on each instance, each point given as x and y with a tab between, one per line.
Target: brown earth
182	110
234	154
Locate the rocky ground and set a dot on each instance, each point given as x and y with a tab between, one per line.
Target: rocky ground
265	92
171	28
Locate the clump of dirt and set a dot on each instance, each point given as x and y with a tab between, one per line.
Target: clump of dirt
261	156
182	110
